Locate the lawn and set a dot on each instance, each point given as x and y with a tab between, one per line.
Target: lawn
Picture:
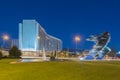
101	70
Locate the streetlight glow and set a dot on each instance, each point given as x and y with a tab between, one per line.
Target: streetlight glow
5	37
77	39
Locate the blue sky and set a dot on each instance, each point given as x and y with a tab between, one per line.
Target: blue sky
64	18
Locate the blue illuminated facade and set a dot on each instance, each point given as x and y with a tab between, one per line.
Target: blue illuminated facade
33	39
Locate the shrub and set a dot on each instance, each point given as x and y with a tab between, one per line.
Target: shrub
14	52
1	55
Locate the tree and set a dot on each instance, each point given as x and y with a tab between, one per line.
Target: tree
14	52
1	55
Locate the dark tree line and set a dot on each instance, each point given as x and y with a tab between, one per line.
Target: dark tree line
14	52
1	55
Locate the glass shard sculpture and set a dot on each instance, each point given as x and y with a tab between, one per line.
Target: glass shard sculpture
100	48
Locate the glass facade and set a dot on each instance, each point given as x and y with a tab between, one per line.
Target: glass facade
14	42
33	38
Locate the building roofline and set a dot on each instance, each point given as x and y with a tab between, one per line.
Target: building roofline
54	37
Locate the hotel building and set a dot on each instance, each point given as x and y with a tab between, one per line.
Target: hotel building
33	39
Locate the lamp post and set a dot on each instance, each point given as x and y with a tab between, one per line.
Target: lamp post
39	38
77	39
44	48
5	37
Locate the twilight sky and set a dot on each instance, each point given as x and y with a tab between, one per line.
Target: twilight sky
64	18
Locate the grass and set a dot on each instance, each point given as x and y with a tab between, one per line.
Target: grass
99	70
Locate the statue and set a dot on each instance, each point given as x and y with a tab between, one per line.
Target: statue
100	48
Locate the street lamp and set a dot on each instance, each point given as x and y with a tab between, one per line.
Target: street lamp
77	39
5	37
38	37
